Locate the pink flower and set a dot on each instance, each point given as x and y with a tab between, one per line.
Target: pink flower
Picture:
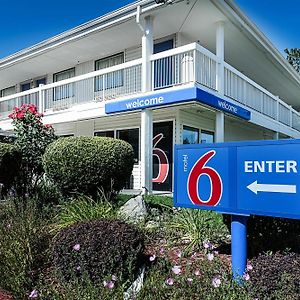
189	280
176	270
162	250
170	281
246	276
76	247
78	268
210	256
216	252
216	282
110	285
152	258
207	245
249	268
178	253
34	294
194	255
197	272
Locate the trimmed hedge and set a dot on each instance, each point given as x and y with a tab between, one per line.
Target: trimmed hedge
85	164
99	249
10	161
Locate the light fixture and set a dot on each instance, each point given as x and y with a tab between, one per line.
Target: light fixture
160	1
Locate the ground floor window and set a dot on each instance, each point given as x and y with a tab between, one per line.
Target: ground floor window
207	136
132	136
107	133
190	135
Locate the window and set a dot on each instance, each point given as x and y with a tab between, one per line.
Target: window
163	69
67	90
111	80
108	133
190	135
8	91
132	137
207	136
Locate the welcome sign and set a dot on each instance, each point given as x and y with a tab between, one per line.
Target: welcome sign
175	97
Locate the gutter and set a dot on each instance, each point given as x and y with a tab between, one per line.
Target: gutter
233	12
111	19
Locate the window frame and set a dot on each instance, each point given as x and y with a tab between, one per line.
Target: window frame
209	132
191	128
71	86
10	87
98	82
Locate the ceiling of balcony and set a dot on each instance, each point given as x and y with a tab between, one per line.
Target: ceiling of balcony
194	19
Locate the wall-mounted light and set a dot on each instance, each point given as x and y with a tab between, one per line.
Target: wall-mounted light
160	1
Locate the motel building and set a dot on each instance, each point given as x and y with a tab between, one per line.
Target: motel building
155	74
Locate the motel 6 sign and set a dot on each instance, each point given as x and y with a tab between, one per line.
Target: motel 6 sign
243	178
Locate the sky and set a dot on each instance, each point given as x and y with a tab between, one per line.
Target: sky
25	23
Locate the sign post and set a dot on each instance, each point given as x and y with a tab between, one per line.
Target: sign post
240	179
239	246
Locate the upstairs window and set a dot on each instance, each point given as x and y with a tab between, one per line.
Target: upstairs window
8	91
67	90
113	79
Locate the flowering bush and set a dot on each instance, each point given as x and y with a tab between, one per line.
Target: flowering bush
99	249
32	138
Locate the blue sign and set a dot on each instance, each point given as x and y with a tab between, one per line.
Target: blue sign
175	97
243	178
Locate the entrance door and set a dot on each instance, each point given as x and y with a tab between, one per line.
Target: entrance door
162	156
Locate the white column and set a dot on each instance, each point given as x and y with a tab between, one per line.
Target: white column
220	52
276	136
146	114
219	127
41	102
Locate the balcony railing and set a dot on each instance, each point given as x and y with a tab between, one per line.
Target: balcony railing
183	65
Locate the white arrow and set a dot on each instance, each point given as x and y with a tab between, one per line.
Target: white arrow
272	188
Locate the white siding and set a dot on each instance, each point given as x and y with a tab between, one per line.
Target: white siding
133	53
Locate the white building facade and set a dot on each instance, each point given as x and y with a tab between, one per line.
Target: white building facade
158	73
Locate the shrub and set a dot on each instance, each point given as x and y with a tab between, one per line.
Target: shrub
85	164
32	138
200	279
83	208
24	241
275	276
10	160
196	226
100	249
271	234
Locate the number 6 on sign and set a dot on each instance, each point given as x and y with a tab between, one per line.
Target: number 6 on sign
197	171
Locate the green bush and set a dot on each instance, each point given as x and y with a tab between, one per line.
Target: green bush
10	161
275	276
83	208
99	249
196	226
85	164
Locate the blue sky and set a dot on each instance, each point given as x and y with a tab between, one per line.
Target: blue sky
24	23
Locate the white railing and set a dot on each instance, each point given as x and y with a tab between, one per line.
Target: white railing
183	65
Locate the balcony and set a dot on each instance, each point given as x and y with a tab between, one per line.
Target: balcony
189	64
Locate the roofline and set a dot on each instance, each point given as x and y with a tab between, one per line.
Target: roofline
118	16
234	13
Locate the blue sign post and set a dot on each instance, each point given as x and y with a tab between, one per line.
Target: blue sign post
241	179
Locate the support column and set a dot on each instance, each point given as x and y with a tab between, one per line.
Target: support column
146	114
239	247
276	136
219	127
220	53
